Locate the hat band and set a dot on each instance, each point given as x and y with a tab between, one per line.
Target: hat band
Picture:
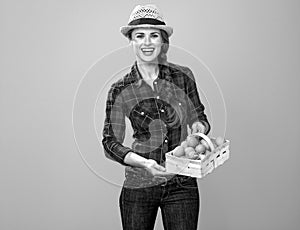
150	21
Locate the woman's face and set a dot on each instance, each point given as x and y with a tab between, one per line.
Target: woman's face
146	43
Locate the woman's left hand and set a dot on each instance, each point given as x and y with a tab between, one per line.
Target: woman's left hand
198	127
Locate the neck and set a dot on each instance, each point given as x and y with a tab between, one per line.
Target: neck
149	71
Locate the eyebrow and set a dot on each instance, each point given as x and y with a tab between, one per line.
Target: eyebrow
144	33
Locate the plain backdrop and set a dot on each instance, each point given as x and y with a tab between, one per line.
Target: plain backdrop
50	181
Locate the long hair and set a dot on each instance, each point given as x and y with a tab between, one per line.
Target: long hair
162	57
176	112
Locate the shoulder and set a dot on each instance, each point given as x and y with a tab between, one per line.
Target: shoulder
119	85
181	70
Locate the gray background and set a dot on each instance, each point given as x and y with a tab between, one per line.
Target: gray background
252	47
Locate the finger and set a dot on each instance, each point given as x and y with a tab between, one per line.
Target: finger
194	127
194	130
159	167
202	128
198	127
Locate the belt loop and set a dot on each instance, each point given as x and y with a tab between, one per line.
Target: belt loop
164	179
177	179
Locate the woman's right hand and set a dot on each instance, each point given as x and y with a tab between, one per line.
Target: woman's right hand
154	168
150	165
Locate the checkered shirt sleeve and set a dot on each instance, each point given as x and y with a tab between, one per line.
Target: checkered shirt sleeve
114	126
195	107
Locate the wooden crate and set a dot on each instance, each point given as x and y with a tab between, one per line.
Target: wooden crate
198	168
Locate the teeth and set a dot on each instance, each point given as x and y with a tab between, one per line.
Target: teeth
147	49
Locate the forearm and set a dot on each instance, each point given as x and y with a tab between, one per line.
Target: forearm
150	165
114	150
195	106
136	160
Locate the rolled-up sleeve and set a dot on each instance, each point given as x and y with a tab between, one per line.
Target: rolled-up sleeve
114	126
195	107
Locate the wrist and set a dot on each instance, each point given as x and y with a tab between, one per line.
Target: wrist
134	159
147	163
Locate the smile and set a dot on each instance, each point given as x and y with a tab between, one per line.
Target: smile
147	49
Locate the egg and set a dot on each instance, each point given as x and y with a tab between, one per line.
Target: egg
200	148
184	144
220	140
192	141
190	152
178	151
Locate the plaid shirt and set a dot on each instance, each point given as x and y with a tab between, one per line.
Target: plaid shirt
152	112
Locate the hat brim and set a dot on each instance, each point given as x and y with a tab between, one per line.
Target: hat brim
125	29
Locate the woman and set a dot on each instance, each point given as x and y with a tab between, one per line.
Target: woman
161	100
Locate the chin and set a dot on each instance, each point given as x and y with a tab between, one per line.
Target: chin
148	59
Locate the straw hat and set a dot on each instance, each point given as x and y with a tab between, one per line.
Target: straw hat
147	16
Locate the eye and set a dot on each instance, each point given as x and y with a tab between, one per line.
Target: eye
139	36
155	35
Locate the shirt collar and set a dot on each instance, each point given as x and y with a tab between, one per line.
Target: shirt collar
135	75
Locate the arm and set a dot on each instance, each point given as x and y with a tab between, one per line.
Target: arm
114	127
114	133
197	120
150	165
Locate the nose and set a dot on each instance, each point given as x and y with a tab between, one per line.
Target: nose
147	40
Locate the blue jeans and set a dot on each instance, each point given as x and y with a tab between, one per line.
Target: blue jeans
177	198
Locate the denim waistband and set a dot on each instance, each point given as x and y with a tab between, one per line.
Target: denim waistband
139	178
